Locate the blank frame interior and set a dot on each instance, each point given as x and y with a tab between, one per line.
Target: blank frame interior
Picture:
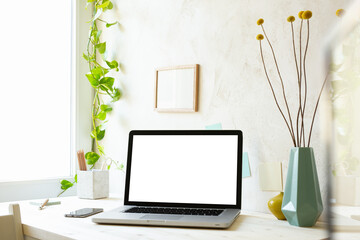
176	88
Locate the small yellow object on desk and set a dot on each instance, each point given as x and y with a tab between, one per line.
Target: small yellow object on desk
274	205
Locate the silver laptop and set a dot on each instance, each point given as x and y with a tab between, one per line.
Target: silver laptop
186	178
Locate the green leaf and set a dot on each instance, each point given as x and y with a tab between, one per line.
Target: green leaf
100	134
117	95
104	5
105	71
99	72
65	184
94	82
101	47
97	14
85	57
101	149
112	64
110	6
101	115
105	108
75	178
108	167
91	158
96	35
107	82
92	134
88	58
111	24
120	167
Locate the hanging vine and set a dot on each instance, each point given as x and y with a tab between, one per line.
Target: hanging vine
103	85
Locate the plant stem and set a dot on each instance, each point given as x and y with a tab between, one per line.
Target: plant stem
297	126
305	82
316	107
298	76
102	20
282	85
300	83
61	193
272	90
93	115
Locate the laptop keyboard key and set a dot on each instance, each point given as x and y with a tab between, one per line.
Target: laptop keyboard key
177	211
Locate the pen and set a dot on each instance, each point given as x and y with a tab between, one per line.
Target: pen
43	205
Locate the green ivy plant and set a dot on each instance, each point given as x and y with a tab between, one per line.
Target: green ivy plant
102	84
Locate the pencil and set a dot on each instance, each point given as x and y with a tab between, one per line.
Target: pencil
43	205
83	160
79	160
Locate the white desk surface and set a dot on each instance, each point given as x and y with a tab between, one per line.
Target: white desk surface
50	224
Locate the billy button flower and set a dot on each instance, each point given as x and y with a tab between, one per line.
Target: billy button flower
340	12
291	19
259	37
300	14
307	14
260	21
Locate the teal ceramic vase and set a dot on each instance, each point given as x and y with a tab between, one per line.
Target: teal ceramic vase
302	204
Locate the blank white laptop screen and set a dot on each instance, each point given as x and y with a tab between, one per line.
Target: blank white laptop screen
198	169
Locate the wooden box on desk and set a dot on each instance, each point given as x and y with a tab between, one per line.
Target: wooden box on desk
93	184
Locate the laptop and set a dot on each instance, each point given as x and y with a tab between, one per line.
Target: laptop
187	178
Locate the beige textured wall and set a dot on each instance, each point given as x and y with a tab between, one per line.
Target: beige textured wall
220	36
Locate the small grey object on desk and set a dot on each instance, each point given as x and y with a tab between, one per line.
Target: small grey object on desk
93	184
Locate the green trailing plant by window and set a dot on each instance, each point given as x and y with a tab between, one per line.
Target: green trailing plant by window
102	83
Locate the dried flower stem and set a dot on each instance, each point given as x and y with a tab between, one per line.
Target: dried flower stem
297	125
305	82
272	90
300	92
316	106
282	85
298	76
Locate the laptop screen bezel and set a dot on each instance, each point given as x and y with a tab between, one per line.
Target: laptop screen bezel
133	133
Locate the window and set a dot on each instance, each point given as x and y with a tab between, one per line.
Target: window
36	90
45	98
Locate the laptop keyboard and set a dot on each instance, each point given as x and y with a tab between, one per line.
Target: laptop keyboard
178	211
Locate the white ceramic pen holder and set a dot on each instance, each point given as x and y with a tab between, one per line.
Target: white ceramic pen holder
93	184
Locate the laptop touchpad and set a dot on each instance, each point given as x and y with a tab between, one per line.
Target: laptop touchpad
160	217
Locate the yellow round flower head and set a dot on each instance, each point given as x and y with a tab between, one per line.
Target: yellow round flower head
260	21
300	14
307	14
291	19
259	37
340	12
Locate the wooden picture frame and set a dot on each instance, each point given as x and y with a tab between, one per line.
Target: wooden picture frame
176	88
